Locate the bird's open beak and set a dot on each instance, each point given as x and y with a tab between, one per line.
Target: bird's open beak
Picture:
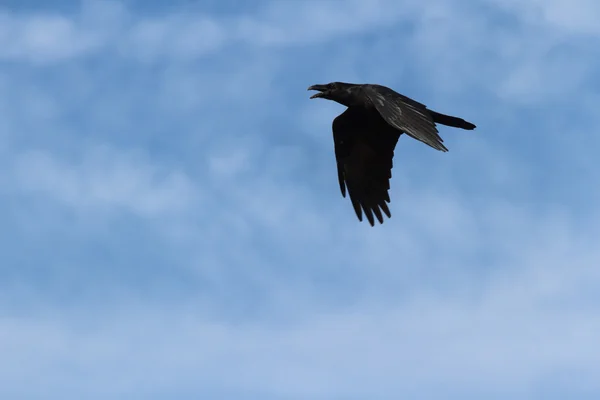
320	88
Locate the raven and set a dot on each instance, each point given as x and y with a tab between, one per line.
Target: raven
365	136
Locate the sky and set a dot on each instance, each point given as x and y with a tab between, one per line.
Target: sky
172	225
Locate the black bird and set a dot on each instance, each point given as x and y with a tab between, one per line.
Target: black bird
365	136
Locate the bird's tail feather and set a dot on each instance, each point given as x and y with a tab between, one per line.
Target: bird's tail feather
451	121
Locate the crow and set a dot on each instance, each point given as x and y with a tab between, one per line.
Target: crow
365	136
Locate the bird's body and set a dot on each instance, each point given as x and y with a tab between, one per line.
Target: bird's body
365	136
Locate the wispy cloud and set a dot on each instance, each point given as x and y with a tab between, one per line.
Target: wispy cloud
102	178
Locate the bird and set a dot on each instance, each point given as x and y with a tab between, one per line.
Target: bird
365	137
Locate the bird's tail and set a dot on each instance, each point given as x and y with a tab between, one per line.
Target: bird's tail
451	121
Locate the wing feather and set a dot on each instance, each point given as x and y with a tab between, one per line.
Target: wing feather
405	114
364	149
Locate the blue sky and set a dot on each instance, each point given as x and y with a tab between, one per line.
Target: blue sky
173	227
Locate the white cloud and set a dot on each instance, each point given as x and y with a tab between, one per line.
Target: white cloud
503	336
102	178
514	54
42	38
571	17
100	24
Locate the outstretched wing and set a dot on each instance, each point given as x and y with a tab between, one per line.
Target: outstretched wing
364	148
406	114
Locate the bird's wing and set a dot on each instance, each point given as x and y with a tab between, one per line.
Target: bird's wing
401	112
364	147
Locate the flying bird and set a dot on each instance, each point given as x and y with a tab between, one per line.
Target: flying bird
365	136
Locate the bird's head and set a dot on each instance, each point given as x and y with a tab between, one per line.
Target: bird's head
340	92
